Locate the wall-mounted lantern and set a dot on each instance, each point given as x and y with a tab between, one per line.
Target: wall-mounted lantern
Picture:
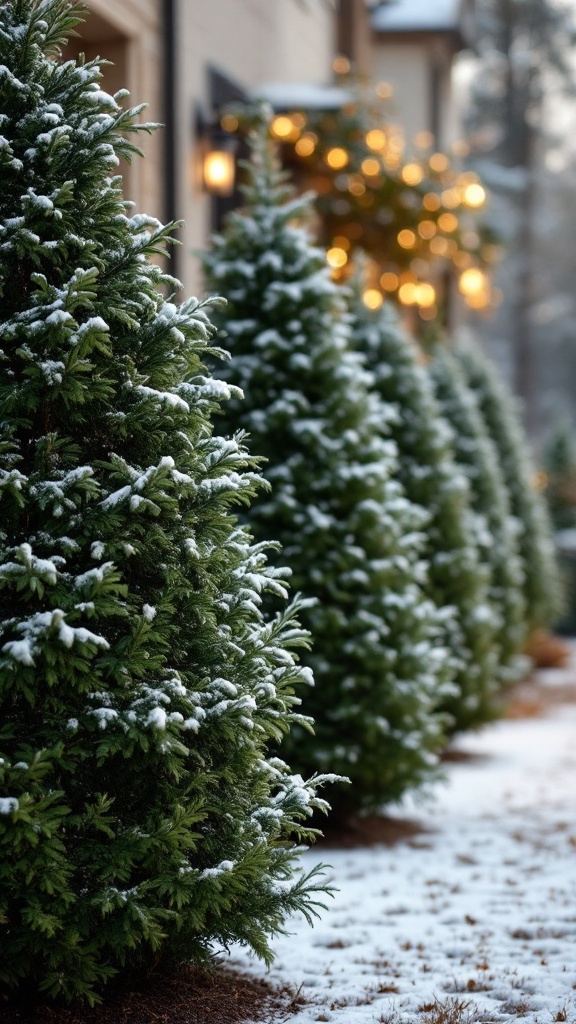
218	158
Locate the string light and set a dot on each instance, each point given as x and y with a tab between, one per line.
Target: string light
372	298
337	157
341	65
425	294
474	195
427	229
431	202
447	222
438	162
473	284
389	281
412	174
371	166
407	293
282	127
337	257
451	198
306	145
439	246
406	238
375	139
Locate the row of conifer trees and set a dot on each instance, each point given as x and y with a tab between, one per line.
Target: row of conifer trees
156	772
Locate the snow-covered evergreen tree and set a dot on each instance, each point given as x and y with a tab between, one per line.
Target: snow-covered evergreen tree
430	477
496	531
349	534
542	589
142	815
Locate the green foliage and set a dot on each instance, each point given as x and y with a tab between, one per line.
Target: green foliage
350	536
495	529
430	477
542	589
560	468
141	816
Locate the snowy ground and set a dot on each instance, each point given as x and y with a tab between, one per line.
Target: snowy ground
472	919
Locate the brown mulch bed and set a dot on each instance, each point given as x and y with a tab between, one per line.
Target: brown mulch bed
192	995
532	698
371	830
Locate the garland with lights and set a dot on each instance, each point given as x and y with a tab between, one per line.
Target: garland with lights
413	215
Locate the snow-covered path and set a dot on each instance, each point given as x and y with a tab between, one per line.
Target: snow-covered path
476	913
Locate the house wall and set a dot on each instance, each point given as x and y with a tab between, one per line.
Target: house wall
419	70
128	33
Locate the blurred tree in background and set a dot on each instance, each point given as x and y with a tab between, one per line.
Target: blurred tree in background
428	472
522	74
496	532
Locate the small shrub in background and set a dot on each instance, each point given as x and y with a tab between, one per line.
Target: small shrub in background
495	529
431	478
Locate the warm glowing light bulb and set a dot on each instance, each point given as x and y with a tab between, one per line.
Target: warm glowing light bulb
375	139
336	257
439	246
407	293
341	65
451	198
427	229
406	238
389	281
384	90
462	260
412	174
425	294
431	202
447	222
371	166
472	281
474	195
305	146
282	127
438	162
336	158
372	298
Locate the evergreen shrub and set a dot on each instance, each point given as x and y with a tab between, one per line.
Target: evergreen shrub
142	815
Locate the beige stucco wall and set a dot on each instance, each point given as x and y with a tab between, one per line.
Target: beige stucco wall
127	33
407	66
